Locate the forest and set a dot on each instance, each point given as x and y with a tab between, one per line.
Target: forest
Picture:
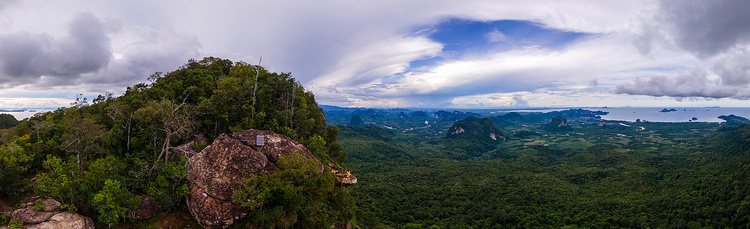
592	173
101	157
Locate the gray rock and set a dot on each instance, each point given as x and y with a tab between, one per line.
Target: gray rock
217	173
51	205
27	215
65	220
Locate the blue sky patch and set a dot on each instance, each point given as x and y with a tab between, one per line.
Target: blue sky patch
460	37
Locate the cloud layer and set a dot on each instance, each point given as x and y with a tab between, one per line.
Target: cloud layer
385	53
717	32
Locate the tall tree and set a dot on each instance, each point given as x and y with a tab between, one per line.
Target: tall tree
82	134
170	120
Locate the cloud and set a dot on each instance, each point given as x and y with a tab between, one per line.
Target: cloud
494	36
717	32
696	83
151	50
519	101
733	66
707	28
27	57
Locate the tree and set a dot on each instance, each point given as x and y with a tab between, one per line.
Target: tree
113	201
297	190
13	165
61	181
168	119
82	134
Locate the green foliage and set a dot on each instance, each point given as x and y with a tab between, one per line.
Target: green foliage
61	180
109	145
4	220
14	223
168	188
113	201
660	175
14	162
68	207
38	205
297	195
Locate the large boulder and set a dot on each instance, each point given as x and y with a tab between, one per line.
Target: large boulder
28	215
275	145
65	220
217	173
50	216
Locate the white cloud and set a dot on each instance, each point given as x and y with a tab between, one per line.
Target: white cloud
494	36
358	53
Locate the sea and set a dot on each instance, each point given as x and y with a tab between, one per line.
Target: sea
22	114
653	114
681	114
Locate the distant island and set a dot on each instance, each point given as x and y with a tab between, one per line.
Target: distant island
667	110
16	110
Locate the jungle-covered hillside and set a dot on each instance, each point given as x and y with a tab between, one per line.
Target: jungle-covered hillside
101	157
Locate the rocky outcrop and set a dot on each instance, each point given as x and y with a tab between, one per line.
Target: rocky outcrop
344	177
28	215
50	216
67	220
274	145
219	170
148	207
216	174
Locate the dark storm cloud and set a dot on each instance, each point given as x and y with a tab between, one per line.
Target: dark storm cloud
707	28
26	57
692	84
717	32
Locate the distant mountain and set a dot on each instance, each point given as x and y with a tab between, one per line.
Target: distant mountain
474	136
558	124
480	129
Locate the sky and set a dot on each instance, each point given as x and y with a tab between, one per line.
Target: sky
387	53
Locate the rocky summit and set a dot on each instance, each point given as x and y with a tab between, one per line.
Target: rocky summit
219	170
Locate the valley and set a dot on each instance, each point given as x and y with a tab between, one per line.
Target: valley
592	174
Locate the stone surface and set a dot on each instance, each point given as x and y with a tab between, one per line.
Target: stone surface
27	215
276	145
344	177
149	206
217	173
67	220
51	205
187	147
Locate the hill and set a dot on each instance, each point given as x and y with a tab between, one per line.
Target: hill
138	145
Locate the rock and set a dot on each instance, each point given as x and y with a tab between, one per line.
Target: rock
32	182
187	147
220	170
51	205
67	220
27	215
216	174
276	145
344	177
149	206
